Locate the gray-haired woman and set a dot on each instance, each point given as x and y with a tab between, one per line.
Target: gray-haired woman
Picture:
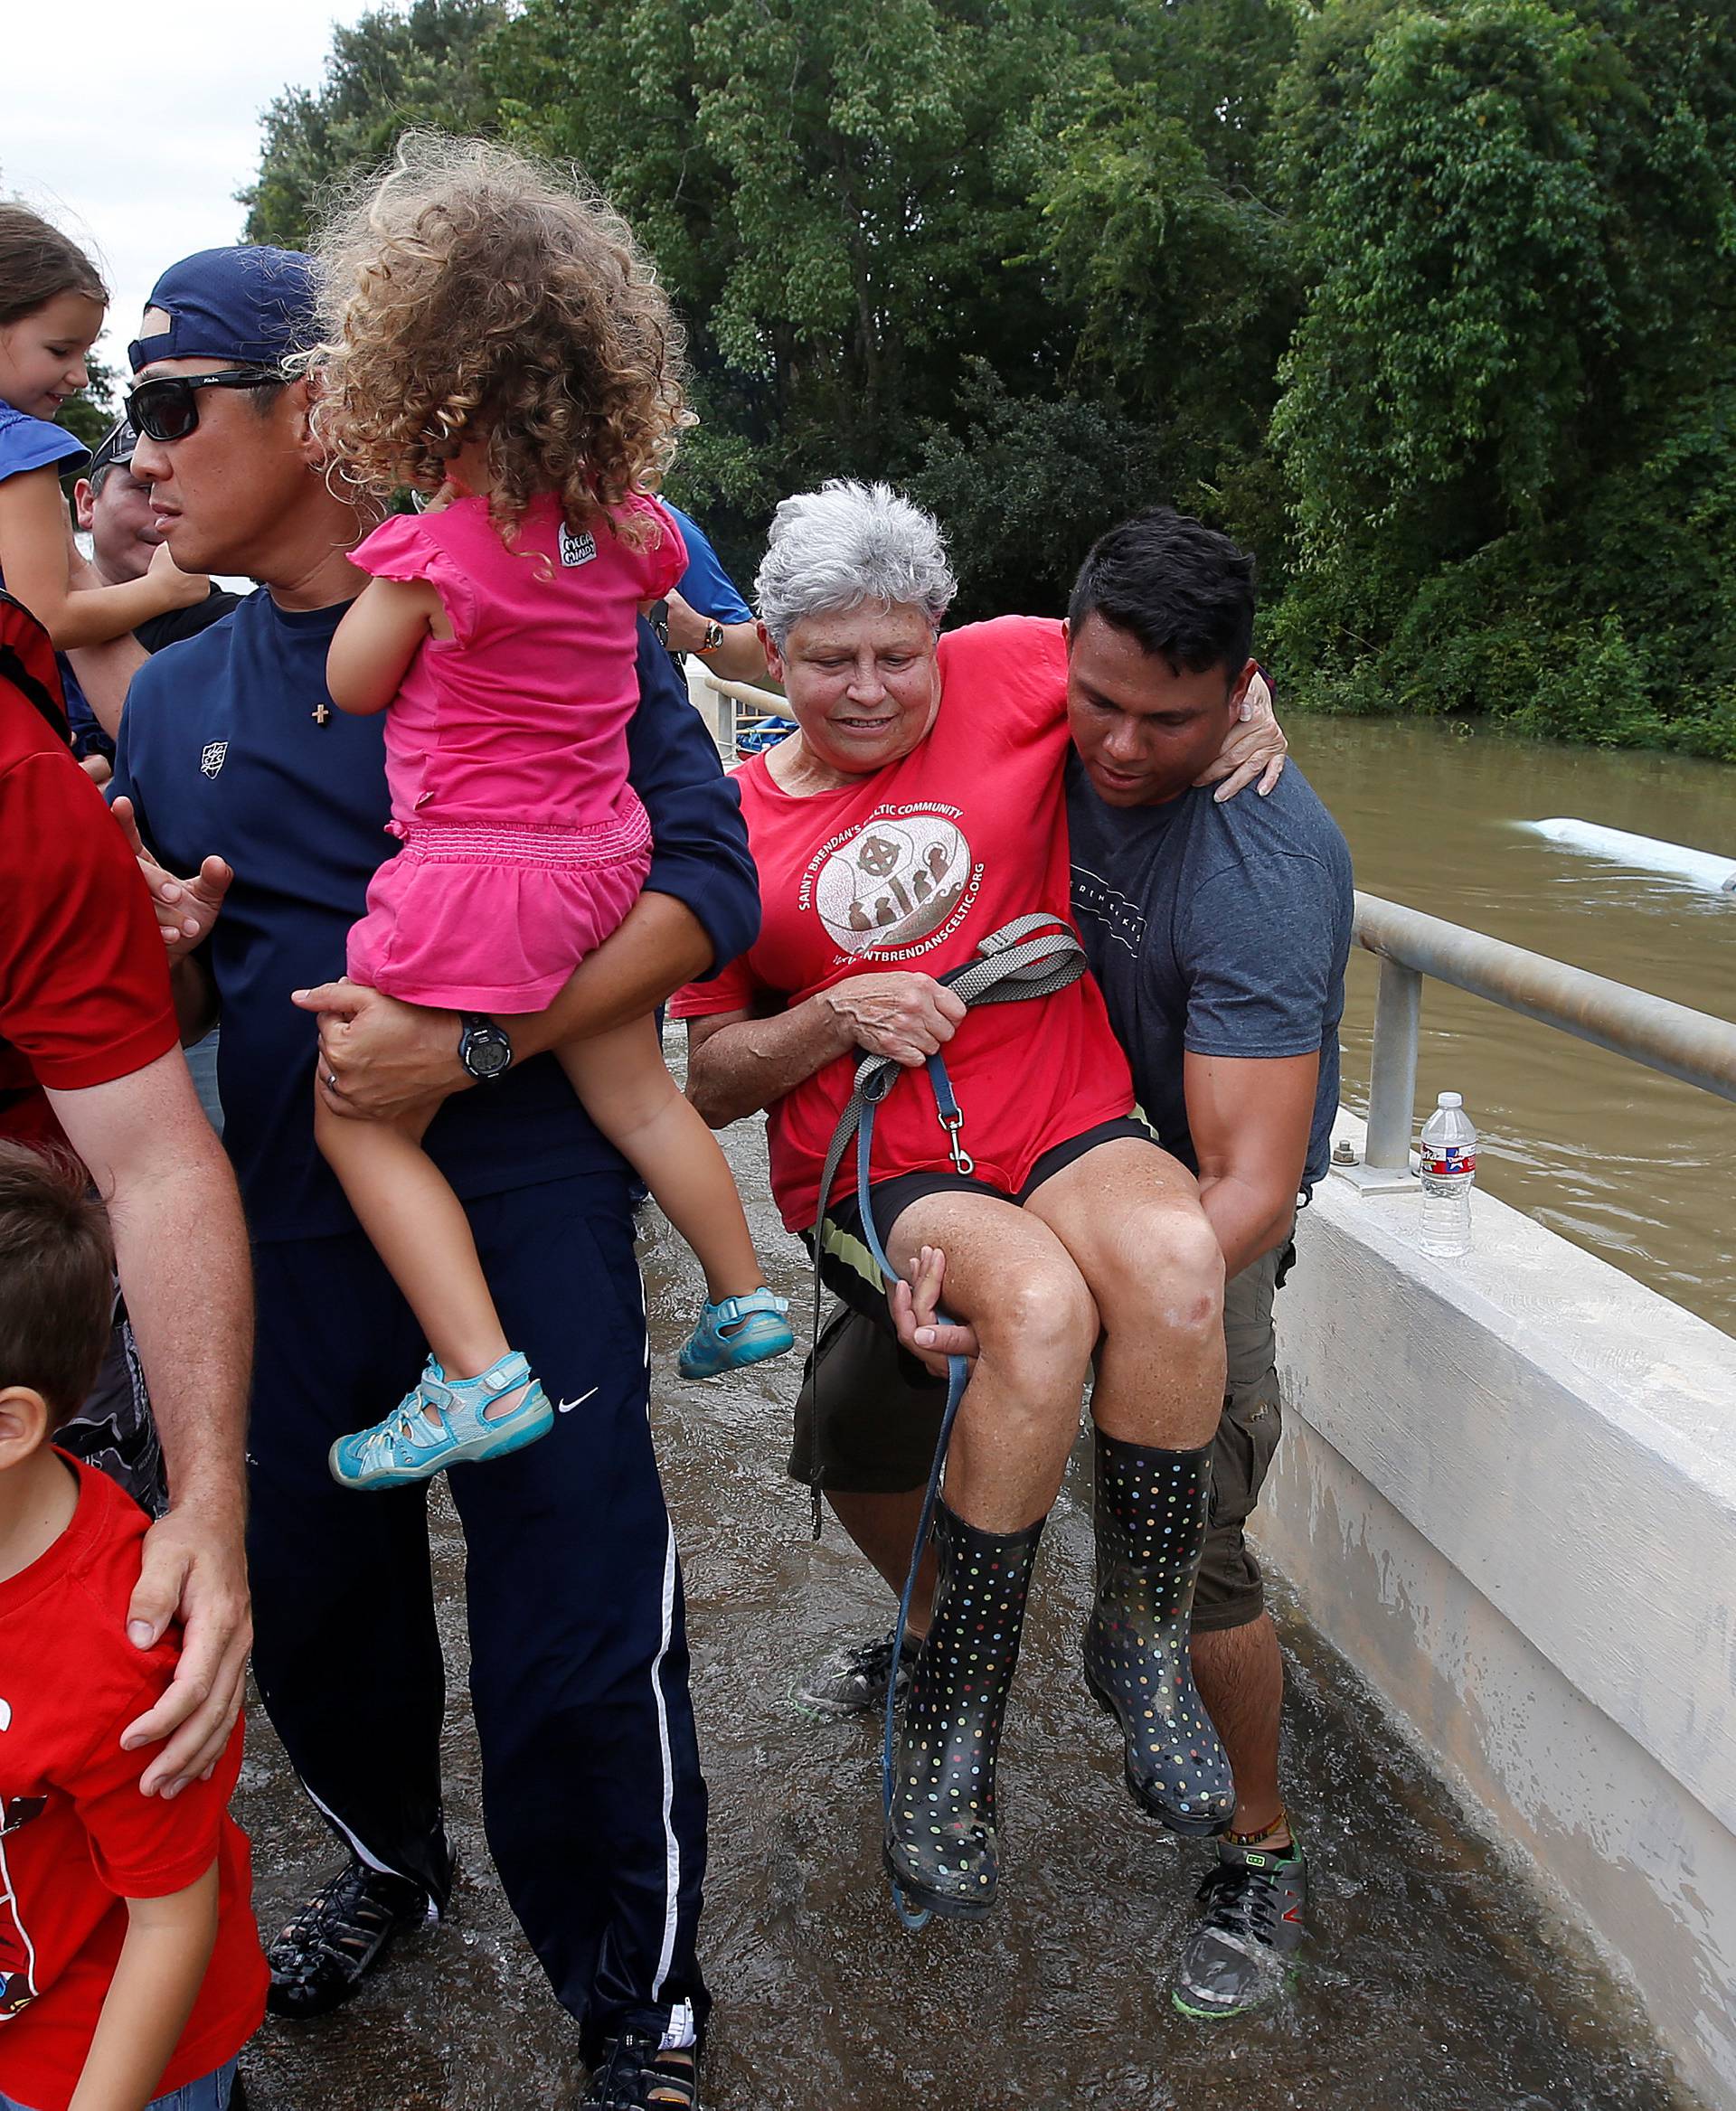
920	807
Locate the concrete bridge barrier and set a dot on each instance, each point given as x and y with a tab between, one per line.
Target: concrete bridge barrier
1507	1494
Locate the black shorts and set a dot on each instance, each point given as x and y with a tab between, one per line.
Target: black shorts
847	1265
871	1426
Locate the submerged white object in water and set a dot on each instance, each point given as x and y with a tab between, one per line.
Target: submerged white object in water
1701	866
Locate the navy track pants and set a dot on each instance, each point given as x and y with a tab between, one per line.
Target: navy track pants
593	1800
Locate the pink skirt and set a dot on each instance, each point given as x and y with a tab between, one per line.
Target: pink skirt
487	917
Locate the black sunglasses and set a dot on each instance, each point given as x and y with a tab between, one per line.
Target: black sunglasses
167	409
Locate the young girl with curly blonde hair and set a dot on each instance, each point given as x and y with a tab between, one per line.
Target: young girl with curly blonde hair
497	344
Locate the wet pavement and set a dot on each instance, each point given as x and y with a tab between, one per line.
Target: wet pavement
1435	1980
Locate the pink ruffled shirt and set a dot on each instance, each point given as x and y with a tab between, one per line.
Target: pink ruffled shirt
523	844
521	715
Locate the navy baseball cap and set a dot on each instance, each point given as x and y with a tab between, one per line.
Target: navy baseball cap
250	303
114	448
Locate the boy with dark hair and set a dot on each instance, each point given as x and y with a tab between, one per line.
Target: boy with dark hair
130	1970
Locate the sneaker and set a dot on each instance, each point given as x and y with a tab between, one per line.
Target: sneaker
1240	1953
736	1332
633	2075
443	1423
341	1936
853	1678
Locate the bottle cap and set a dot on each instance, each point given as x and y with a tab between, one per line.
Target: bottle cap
1450	1100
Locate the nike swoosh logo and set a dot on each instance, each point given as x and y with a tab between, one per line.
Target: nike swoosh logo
566	1407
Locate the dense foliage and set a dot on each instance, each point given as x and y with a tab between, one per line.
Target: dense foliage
1429	303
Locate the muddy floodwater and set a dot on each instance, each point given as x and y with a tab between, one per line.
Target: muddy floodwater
1620	1159
1436	1981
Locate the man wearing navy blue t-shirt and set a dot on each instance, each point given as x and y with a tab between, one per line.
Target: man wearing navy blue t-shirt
270	807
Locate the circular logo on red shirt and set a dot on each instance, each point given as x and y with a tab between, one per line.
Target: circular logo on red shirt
892	882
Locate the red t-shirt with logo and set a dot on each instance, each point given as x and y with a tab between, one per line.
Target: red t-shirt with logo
84	979
909	869
76	1836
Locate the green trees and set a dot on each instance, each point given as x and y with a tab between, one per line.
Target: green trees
1504	416
837	191
90	415
1428	302
424	66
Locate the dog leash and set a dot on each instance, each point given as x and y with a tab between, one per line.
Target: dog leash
1032	956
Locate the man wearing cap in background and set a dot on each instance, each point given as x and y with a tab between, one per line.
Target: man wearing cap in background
593	1798
114	509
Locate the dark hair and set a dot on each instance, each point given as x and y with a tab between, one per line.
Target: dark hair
1184	591
38	263
56	1280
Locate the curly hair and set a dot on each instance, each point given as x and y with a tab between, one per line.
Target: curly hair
468	293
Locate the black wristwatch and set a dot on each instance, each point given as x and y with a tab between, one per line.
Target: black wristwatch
483	1048
712	639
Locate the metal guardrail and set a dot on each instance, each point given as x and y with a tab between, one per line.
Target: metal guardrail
1683	1044
744	692
724	704
1694	1046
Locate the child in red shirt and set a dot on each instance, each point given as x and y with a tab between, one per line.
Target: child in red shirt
130	1970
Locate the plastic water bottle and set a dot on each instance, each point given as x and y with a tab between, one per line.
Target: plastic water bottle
1448	1156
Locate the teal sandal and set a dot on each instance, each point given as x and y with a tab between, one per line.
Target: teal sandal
442	1422
734	1333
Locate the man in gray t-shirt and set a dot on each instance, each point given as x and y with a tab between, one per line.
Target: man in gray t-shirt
1219	933
1218	930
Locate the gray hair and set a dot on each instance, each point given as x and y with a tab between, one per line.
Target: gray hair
835	549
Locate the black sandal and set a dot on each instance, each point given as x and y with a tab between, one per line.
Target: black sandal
634	2075
341	1936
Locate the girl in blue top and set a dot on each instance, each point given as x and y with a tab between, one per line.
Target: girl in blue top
51	304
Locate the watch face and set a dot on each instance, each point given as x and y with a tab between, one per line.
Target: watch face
487	1051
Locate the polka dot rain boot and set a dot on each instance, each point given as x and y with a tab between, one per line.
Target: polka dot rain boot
1152	1510
940	1843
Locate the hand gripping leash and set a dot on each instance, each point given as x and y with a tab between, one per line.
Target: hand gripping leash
1032	957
